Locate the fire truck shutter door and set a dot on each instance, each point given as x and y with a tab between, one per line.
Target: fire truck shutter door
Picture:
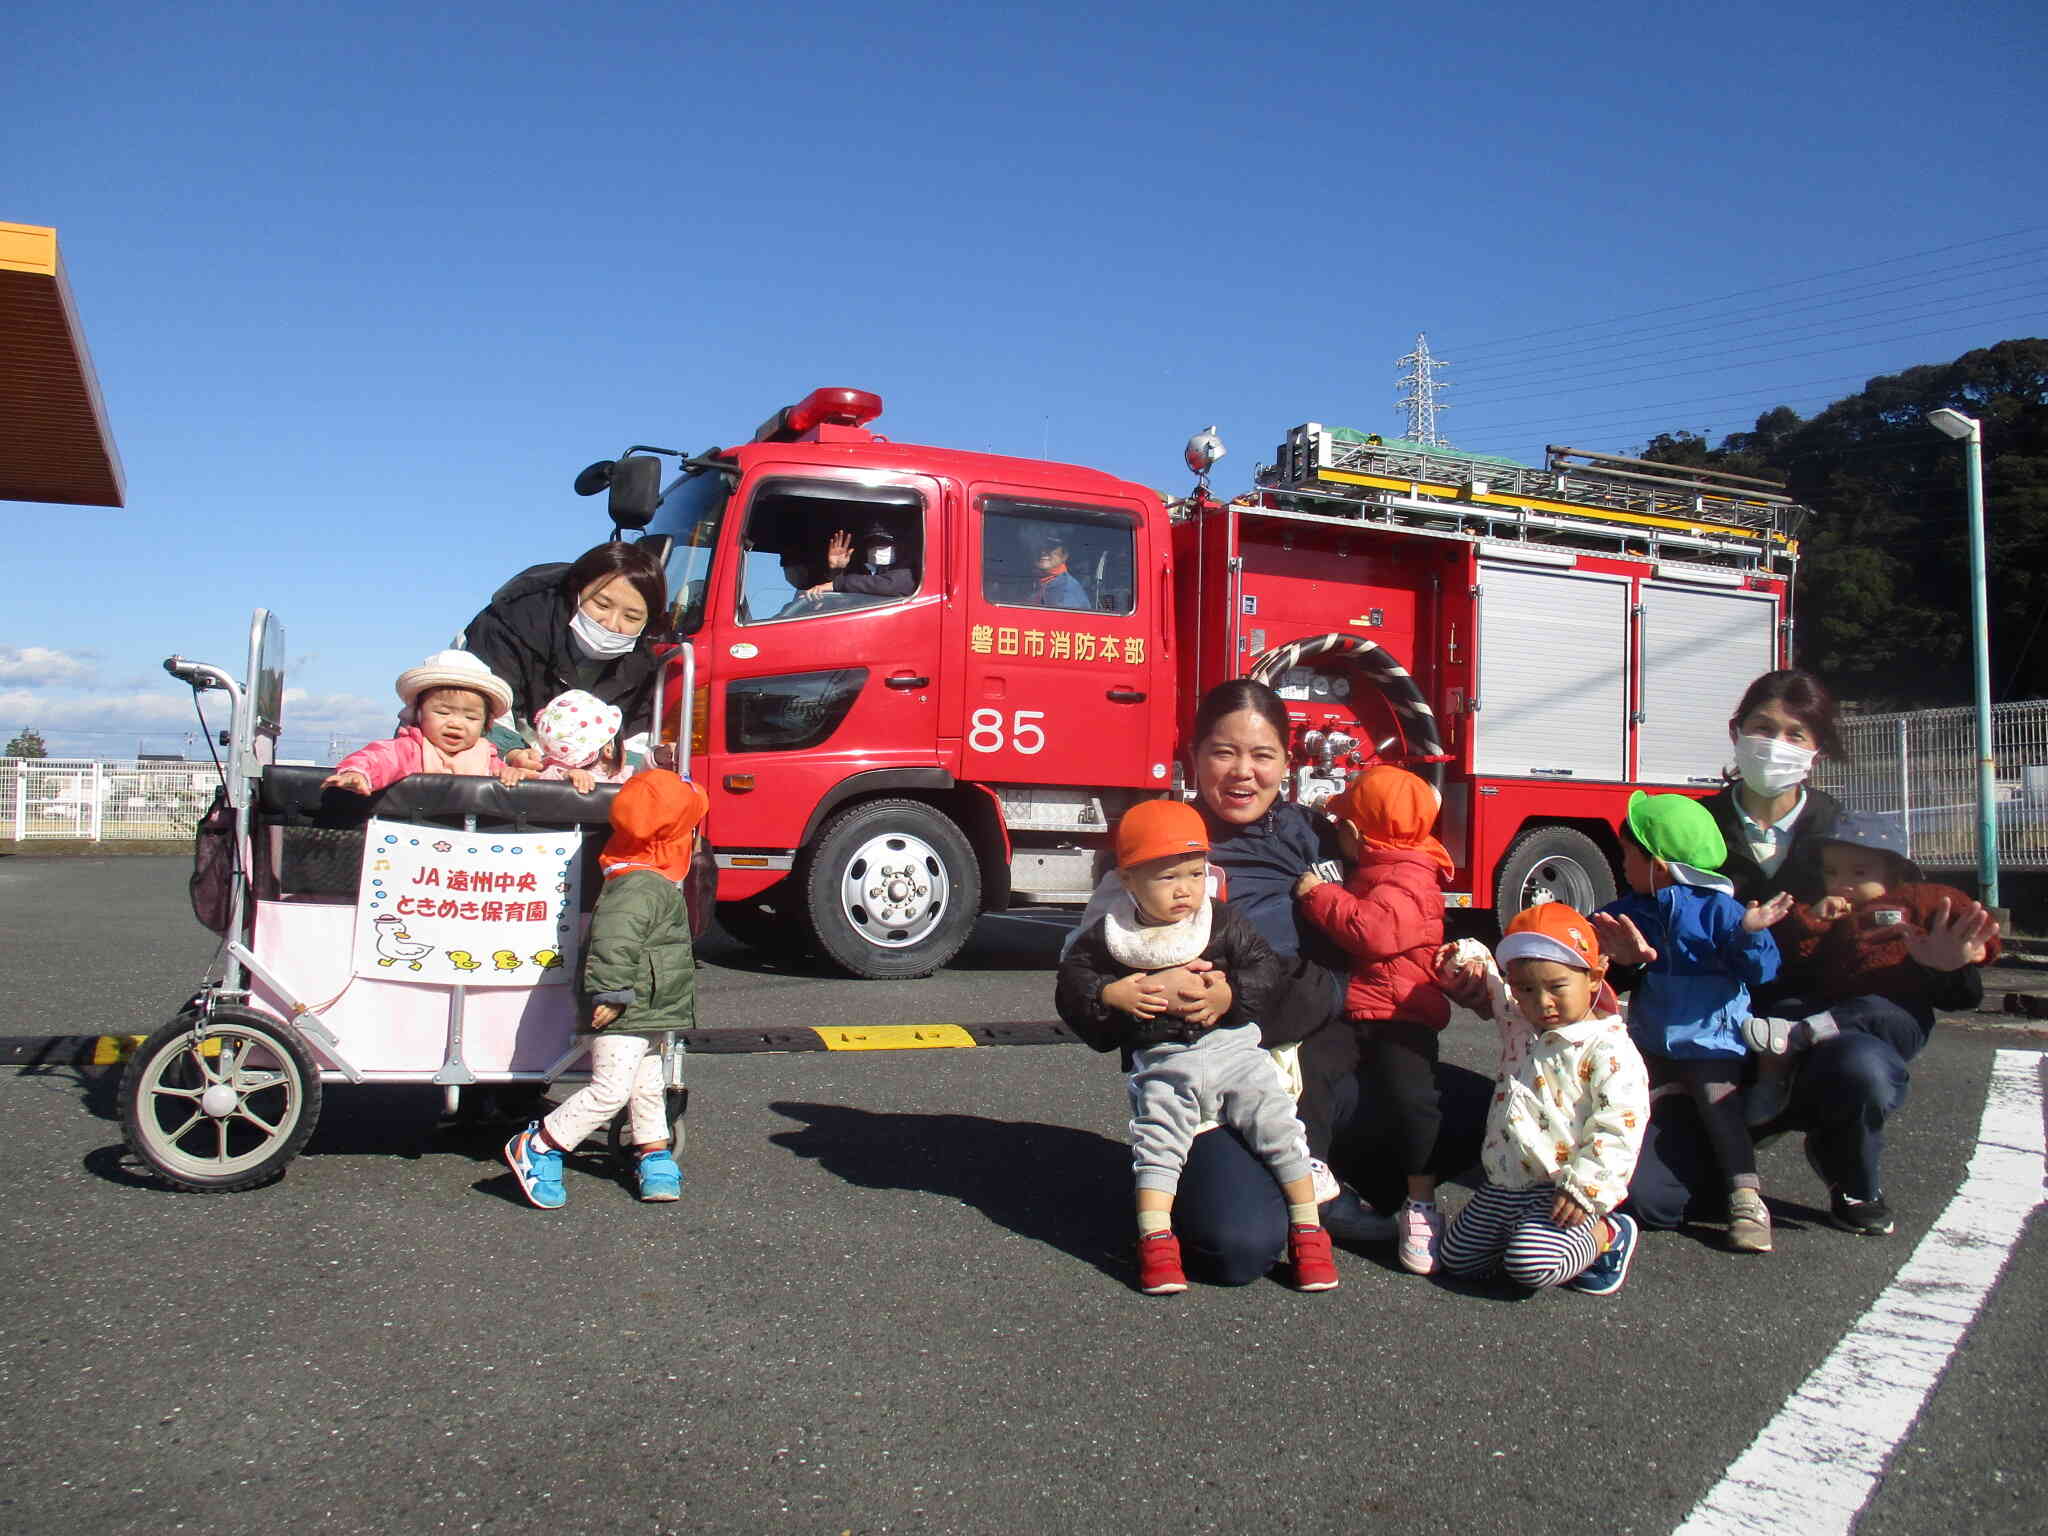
1553	663
1700	649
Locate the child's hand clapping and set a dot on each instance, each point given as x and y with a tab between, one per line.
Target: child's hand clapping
1762	914
1954	939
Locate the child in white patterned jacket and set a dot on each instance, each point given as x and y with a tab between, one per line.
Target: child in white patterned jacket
1570	1103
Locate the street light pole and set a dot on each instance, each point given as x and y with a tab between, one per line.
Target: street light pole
1970	432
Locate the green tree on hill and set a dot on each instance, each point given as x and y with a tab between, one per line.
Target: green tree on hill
28	742
1883	605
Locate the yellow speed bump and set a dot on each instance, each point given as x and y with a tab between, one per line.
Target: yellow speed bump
112	1050
894	1037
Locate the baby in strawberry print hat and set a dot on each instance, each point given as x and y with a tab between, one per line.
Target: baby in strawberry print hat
579	741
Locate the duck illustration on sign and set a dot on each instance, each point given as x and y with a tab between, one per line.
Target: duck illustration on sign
397	947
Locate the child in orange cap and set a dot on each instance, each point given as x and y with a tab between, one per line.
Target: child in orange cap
638	981
1388	916
1570	1102
1203	1064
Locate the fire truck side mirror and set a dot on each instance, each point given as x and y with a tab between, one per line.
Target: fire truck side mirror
635	490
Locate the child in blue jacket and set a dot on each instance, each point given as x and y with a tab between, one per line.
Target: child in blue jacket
1692	1000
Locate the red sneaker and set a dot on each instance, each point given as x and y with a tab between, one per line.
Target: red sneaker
1308	1250
1159	1271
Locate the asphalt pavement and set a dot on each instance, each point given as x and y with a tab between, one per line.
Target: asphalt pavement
893	1298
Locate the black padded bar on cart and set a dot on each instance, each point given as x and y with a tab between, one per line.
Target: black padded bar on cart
309	840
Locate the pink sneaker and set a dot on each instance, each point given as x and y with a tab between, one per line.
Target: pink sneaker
1420	1226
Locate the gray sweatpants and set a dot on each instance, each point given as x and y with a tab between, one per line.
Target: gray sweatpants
1225	1076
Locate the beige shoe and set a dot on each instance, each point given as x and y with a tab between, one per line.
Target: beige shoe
1749	1223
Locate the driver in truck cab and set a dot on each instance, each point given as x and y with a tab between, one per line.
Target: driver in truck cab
878	577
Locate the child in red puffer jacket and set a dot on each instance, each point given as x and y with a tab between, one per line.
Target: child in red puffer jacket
1388	915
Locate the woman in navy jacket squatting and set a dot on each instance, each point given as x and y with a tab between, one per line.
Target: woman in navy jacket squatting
1232	1222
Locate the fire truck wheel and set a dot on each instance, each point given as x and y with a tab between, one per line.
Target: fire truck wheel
891	888
1553	864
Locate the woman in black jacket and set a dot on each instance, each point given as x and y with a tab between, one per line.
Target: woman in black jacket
581	625
1775	824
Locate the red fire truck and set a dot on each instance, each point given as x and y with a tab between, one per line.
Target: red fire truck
959	734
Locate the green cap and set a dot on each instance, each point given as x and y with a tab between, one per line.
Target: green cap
1677	829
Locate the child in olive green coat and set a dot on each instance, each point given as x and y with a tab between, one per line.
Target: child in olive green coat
639	980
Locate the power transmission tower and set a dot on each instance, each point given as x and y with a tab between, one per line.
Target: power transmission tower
1418	397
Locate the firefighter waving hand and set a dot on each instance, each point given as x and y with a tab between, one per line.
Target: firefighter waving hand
879	575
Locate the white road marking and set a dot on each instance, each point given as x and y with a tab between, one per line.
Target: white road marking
1817	1463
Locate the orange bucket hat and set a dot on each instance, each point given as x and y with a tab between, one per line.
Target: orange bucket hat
1553	931
1390	808
653	816
1159	829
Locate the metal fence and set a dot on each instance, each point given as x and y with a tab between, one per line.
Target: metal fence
1920	770
58	797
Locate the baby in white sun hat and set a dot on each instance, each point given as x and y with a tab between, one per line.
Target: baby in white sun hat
578	734
450	699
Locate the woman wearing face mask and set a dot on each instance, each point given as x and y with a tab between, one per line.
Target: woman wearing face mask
1843	1088
583	625
1772	820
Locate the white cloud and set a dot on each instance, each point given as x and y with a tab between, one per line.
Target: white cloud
40	666
128	714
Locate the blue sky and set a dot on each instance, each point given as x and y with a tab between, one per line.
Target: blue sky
366	285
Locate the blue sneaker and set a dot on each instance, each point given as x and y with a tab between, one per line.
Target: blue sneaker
660	1178
1606	1274
538	1168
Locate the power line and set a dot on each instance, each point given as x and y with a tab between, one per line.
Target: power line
1651	361
1750	363
1778	394
1667	332
1743	293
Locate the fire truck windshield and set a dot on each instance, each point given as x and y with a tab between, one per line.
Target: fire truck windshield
687	521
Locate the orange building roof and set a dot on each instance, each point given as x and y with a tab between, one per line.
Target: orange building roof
55	443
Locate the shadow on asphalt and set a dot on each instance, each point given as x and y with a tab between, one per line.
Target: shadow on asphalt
1051	1183
99	1088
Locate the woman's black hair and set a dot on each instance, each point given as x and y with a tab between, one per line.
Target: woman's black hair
1234	697
635	562
1804	697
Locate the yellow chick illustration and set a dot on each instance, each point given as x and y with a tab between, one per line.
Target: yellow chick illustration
463	960
547	959
505	960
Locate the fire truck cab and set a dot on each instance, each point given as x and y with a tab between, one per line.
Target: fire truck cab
896	744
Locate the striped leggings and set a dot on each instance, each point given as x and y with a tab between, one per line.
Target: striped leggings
1510	1230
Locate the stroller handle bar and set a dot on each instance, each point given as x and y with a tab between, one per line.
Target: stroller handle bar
199	675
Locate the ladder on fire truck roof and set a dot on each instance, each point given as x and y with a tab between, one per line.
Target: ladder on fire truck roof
1585	500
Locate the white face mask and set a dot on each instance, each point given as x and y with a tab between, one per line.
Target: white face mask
1769	766
594	640
882	556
